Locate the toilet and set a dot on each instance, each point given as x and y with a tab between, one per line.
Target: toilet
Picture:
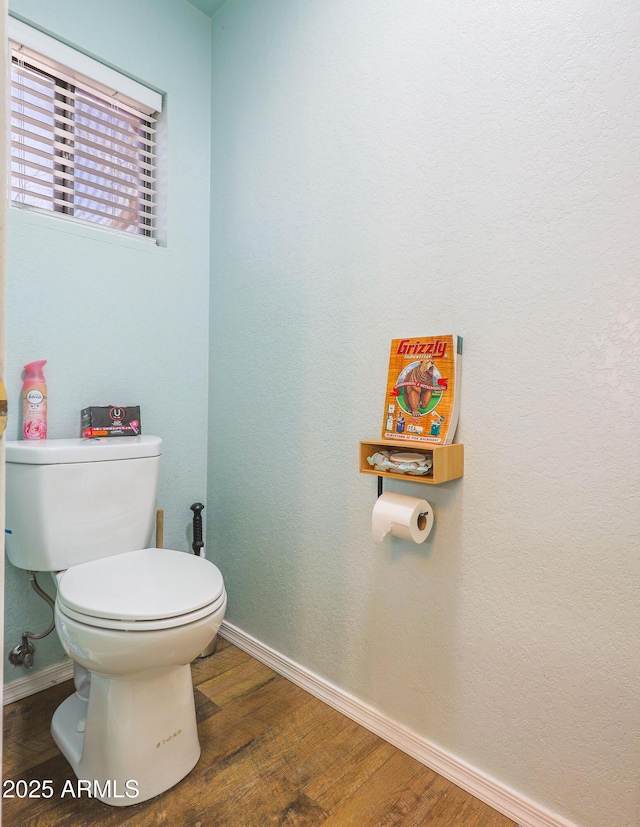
131	618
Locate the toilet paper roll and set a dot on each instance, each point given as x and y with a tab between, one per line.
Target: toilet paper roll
401	516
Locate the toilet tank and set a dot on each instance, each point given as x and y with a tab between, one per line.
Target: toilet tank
69	501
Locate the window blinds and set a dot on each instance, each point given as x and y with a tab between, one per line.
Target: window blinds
80	148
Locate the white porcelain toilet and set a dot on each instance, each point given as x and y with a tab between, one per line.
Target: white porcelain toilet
131	618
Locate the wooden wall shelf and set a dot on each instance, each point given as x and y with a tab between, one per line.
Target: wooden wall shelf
448	460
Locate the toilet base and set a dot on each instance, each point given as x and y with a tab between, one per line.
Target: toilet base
140	736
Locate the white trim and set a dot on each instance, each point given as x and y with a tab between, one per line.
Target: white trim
78	226
525	812
53	49
30	684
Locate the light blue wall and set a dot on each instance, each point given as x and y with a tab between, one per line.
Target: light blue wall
400	169
377	171
120	321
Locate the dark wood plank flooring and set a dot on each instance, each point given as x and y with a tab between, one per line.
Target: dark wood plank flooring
272	754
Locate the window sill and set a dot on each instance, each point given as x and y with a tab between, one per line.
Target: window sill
44	219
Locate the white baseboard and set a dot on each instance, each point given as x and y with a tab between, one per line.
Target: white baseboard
506	801
43	679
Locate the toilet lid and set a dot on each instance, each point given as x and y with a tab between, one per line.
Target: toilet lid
149	584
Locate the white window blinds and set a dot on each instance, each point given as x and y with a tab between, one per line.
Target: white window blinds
78	147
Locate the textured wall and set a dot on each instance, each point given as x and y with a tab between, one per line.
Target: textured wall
119	320
384	170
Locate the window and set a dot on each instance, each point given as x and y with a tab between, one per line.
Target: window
79	147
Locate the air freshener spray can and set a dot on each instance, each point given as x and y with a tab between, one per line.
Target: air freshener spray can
34	402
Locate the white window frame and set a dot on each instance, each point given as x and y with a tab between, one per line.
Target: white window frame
122	93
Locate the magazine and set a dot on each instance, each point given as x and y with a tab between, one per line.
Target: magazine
423	389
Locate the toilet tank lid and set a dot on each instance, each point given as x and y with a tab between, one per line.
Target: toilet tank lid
59	451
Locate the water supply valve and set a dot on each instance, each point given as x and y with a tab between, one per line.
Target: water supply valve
22	654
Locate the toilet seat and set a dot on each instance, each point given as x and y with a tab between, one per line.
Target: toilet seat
141	625
143	590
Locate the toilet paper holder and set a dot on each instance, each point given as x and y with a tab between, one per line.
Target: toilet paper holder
422	517
408	518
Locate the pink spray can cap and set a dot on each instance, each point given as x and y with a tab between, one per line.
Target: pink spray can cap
34	369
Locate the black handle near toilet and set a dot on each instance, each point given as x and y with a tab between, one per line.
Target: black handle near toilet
198	543
197	546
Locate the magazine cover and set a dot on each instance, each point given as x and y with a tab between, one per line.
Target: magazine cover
423	389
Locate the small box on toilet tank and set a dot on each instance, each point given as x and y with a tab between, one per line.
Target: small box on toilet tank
110	420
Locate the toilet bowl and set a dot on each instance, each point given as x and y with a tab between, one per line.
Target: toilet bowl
132	624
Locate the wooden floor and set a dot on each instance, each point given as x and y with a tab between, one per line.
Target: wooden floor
271	755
